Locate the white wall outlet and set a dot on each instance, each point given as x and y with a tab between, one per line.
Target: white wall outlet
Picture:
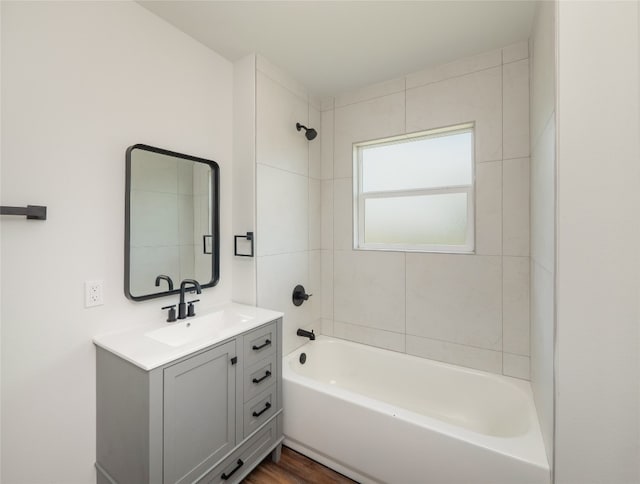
93	294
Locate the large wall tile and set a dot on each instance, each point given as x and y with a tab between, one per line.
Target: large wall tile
454	69
343	213
455	298
156	215
282	211
378	118
515	52
515	98
369	336
315	284
370	92
278	143
456	354
515	207
272	71
326	275
543	199
314	214
315	146
515	304
326	214
326	145
277	276
515	365
474	97
369	289
326	327
489	208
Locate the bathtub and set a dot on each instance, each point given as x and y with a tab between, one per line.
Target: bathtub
381	416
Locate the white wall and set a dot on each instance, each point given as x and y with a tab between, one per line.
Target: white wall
598	277
542	63
288	200
80	83
411	302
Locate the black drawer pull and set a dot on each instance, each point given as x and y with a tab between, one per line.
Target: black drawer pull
267	406
227	476
266	375
266	343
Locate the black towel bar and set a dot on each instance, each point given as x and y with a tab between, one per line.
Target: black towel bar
32	212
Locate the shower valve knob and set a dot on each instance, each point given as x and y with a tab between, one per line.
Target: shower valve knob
299	295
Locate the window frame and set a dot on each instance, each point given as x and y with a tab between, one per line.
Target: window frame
359	198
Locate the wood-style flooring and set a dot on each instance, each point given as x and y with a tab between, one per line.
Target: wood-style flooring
294	468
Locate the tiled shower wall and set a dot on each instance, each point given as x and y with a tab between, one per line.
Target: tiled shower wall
287	200
471	310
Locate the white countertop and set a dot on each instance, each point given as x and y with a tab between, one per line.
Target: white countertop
157	343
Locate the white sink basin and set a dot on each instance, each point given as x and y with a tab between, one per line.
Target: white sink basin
194	329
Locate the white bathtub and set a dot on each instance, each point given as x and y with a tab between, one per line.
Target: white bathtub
381	416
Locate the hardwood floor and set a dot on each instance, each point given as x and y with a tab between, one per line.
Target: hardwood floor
294	468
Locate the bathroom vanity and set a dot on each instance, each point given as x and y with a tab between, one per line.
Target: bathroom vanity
195	401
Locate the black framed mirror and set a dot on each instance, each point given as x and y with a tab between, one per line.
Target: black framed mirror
172	225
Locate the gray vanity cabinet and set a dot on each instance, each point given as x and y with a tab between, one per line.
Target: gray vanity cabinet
210	416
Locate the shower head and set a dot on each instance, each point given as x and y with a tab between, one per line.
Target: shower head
310	133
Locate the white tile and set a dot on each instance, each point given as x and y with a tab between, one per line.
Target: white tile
326	103
515	101
315	284
185	176
456	68
153	172
148	262
474	97
326	214
489	208
277	275
314	214
455	354
455	298
326	145
543	199
186	209
187	264
315	102
326	275
281	77
515	207
315	146
154	217
278	143
326	327
543	68
282	215
369	289
370	92
515	52
343	213
515	305
369	336
378	118
515	365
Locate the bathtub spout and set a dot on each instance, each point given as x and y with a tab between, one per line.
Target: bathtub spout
307	334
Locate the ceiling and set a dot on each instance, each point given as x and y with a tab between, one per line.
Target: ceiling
335	46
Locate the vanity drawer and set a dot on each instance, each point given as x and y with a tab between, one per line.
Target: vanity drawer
259	344
260	409
245	458
259	376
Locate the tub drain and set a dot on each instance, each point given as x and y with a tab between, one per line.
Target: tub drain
303	358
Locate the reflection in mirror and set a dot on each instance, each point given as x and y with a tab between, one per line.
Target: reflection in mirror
172	229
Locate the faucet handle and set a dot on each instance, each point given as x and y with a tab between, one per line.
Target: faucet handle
172	313
191	310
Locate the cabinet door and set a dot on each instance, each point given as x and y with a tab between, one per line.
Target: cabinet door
199	413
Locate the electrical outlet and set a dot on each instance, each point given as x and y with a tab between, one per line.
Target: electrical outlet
93	294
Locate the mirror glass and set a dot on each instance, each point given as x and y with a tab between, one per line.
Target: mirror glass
172	226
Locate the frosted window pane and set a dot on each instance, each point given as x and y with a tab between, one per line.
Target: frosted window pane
425	163
426	219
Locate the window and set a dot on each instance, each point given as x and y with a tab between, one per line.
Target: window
415	192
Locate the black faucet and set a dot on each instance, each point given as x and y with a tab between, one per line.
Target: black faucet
182	307
307	334
166	278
